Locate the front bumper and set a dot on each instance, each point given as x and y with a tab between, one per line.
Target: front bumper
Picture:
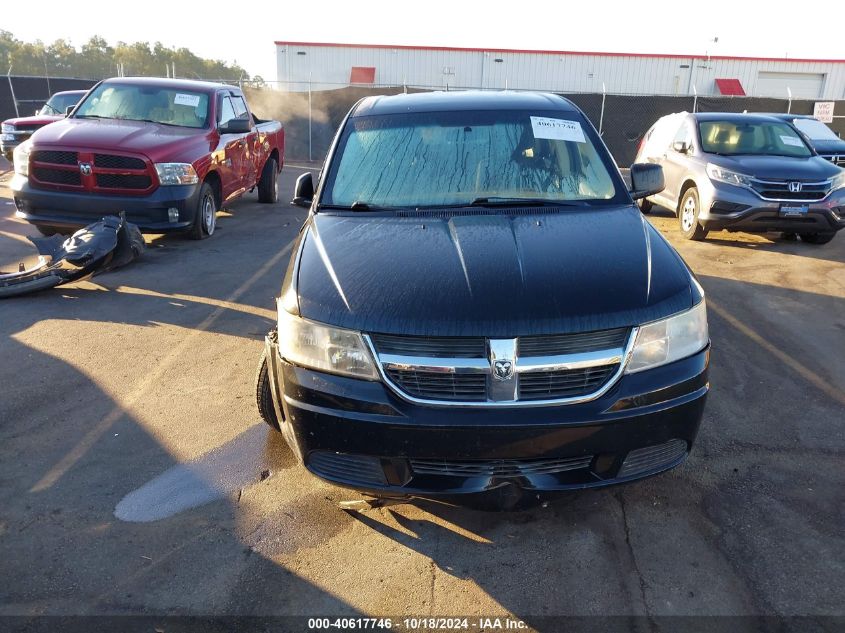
739	209
72	210
359	434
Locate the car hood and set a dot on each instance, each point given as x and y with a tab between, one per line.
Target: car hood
33	120
129	136
489	275
829	147
778	167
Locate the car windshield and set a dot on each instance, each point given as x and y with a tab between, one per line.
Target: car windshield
58	104
157	104
773	138
457	158
815	130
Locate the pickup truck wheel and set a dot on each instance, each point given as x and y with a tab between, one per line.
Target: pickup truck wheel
205	219
645	205
268	186
688	212
264	395
817	238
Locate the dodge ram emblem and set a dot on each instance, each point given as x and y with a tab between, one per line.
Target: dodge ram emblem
85	169
503	369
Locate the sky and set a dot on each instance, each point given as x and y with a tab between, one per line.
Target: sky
754	29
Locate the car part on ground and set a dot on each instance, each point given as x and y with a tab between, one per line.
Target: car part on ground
102	246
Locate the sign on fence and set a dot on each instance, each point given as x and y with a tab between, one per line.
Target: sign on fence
823	111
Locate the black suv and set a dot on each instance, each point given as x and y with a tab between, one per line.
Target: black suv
475	305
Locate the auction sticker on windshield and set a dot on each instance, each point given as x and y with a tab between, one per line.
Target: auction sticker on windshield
186	100
557	129
792	140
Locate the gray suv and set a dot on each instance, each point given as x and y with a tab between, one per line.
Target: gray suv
743	172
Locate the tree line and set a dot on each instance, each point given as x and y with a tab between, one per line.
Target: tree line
97	59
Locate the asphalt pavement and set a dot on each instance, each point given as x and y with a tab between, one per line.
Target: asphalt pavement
136	476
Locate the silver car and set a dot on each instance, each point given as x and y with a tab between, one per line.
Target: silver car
743	172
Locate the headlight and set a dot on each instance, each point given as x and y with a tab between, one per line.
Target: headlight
726	175
7	128
669	340
838	182
324	348
176	174
20	158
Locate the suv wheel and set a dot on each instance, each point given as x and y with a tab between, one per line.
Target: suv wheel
688	212
645	205
817	238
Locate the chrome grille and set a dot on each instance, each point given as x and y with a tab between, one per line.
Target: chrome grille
542	385
835	159
572	343
499	467
440	386
779	190
475	371
441	346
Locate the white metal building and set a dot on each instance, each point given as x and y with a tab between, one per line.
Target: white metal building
325	66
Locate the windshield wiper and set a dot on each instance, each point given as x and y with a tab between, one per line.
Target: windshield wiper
357	206
500	201
153	121
92	116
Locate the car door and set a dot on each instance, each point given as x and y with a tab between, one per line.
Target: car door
230	151
251	150
676	161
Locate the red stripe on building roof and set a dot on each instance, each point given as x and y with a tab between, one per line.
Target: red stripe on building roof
549	52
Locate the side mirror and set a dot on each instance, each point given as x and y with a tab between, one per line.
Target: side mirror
681	147
646	180
68	110
235	126
303	192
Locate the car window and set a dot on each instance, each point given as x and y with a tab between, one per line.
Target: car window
660	138
815	130
773	138
452	158
241	111
684	134
227	110
58	104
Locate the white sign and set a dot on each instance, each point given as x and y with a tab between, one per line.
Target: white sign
823	111
186	100
557	129
792	140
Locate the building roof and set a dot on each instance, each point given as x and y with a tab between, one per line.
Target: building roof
553	52
462	100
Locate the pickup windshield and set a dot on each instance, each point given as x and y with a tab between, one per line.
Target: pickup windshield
146	103
438	159
58	104
815	130
764	138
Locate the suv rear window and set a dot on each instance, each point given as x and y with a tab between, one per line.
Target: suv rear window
452	158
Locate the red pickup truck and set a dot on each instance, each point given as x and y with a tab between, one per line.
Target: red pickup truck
167	152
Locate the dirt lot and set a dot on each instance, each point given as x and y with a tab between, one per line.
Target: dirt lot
136	477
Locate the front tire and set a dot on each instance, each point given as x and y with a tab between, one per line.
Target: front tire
264	395
817	238
688	213
268	185
205	218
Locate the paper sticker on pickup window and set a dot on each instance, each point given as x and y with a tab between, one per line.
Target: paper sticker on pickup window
791	140
186	100
557	129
